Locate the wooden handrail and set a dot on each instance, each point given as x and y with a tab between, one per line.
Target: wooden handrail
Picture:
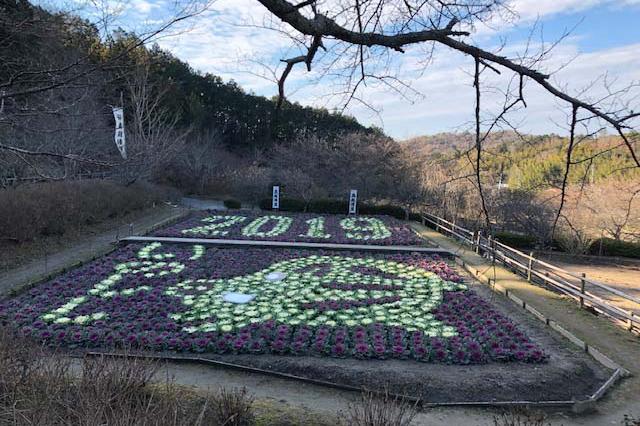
561	279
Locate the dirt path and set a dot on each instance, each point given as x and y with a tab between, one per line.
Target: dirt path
85	247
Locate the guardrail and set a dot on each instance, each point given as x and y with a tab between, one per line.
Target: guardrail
590	294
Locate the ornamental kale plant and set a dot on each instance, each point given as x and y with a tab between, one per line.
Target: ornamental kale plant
249	225
174	298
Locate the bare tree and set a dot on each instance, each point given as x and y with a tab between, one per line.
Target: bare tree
355	39
153	136
52	66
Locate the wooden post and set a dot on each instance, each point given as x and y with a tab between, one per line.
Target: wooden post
582	283
437	224
479	233
530	266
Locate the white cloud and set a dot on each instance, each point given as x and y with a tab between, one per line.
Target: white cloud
220	40
449	96
531	9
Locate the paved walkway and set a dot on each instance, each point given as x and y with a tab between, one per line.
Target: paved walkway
90	248
620	345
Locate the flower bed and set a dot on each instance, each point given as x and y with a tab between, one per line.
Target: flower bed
249	225
174	298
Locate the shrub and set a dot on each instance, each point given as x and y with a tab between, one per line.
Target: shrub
233	407
232	203
380	410
416	217
386	209
327	206
611	247
521	417
39	388
53	208
514	240
286	204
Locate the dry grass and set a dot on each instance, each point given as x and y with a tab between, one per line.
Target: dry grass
375	409
41	388
32	211
521	417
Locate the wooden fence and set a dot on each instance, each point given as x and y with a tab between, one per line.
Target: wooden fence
590	294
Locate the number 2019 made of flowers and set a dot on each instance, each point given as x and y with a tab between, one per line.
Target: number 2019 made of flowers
316	291
359	228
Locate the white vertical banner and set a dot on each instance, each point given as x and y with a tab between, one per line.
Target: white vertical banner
119	137
275	198
353	201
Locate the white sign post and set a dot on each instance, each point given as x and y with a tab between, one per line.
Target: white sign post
119	137
353	201
275	198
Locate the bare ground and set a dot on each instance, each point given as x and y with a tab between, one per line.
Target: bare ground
620	273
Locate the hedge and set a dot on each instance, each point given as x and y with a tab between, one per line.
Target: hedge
336	207
232	203
611	247
514	240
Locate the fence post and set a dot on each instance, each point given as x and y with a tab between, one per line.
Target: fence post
582	283
424	221
530	266
437	224
478	236
632	314
491	248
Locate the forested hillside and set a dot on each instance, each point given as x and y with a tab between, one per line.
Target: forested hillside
531	162
59	79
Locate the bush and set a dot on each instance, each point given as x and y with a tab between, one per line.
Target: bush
521	417
386	209
326	206
53	208
234	407
286	204
329	206
232	203
39	388
518	241
380	410
611	247
416	217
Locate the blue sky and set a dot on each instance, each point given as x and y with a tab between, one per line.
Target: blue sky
227	40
